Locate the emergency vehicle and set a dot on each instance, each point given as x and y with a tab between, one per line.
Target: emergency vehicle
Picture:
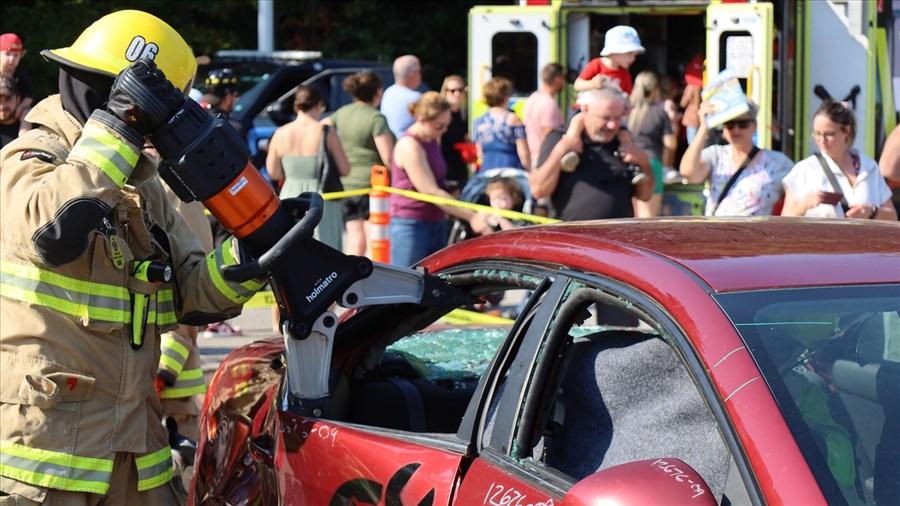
787	54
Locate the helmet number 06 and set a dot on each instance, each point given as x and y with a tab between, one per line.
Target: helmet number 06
140	48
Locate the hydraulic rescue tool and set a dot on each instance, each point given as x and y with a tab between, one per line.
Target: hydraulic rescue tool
205	159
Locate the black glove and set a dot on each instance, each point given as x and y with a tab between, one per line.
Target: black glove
166	377
143	98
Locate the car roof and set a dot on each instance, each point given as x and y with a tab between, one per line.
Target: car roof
727	254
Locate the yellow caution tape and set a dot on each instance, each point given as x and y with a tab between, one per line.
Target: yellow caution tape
431	199
463	317
262	298
266	298
345	194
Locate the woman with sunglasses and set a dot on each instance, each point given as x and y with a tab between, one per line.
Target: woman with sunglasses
743	179
419	228
454	90
861	191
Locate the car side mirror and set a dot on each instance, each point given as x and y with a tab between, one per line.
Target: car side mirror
655	481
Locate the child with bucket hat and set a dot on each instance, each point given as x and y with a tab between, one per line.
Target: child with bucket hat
620	48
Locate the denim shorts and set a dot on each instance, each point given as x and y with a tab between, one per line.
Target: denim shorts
412	240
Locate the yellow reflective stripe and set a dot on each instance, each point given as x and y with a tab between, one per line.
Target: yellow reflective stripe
103	149
169	343
165	307
78	285
45	468
67	295
217	279
154	469
191	374
216	261
170	364
251	285
190	382
107	138
177	393
173	354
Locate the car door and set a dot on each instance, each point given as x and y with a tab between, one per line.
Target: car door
393	435
602	383
494	477
319	462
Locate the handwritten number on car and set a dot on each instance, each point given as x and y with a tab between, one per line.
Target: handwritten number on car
679	476
501	495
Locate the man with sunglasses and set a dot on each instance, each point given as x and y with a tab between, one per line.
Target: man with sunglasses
743	179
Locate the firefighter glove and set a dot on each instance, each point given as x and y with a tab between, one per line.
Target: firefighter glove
143	98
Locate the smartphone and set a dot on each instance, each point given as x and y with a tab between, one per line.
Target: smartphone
831	198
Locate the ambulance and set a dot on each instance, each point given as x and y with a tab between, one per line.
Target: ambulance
788	55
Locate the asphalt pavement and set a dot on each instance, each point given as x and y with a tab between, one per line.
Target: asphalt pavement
255	324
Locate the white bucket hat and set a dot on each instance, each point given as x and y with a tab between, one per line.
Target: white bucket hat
621	40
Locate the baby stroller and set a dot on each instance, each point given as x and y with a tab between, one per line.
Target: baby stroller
474	192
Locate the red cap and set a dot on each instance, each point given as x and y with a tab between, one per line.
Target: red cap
694	72
10	42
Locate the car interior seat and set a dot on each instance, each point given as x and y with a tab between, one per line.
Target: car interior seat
395	395
869	387
626	397
803	356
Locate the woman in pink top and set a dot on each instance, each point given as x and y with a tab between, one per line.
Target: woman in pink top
418	228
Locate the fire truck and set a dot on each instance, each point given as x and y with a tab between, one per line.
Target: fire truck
788	55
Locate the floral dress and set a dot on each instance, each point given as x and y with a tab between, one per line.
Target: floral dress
498	141
756	190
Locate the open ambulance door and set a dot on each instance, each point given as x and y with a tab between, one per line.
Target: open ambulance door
671	32
741	36
839	45
513	42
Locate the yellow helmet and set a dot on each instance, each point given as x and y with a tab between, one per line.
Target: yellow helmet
117	40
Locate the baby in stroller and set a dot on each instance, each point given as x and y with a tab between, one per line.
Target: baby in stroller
502	188
503	193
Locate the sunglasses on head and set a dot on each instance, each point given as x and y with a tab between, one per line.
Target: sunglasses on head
740	123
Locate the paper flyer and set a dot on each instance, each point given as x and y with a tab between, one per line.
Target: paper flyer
727	98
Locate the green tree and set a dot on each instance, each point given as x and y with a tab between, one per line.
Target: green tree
380	30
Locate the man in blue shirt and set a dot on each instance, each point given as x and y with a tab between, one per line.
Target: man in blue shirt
397	97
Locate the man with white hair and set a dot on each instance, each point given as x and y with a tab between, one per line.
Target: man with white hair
599	186
397	97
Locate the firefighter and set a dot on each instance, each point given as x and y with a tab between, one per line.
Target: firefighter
94	265
221	97
179	377
221	91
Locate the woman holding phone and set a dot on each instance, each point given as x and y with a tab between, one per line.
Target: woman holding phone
837	182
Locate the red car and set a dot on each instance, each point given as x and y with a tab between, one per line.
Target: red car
670	361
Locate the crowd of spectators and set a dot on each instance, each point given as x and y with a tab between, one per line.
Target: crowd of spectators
611	158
